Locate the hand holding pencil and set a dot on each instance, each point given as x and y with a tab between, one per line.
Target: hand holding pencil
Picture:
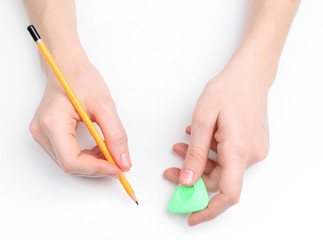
56	119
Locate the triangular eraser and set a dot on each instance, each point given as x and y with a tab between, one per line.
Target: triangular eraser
189	199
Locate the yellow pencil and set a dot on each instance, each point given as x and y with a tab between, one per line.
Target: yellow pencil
78	107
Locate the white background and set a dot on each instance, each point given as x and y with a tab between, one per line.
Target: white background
156	57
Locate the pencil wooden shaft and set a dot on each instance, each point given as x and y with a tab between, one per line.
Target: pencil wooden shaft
84	116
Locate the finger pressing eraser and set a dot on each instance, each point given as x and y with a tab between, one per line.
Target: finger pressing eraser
189	199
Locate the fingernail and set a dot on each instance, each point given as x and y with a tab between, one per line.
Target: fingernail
125	161
186	177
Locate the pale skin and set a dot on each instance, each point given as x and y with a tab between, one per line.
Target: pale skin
230	116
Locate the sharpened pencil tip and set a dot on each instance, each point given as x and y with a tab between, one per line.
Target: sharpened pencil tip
133	196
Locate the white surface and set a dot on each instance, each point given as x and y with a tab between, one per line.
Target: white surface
156	57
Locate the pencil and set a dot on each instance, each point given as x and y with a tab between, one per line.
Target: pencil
78	107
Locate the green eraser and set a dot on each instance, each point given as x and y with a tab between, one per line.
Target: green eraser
189	199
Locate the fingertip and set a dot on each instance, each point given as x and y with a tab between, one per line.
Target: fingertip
191	221
172	170
192	224
180	149
176	146
186	177
180	145
165	173
125	162
188	130
172	174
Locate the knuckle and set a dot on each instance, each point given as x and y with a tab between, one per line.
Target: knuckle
195	152
261	153
239	148
34	129
233	198
46	120
261	149
202	118
106	102
68	167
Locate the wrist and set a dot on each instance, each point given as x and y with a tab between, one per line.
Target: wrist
69	57
256	66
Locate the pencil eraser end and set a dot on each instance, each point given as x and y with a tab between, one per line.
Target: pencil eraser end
33	32
189	199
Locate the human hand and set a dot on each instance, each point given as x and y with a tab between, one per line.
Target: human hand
55	121
230	119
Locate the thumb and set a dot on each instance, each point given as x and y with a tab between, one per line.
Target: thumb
198	148
114	134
